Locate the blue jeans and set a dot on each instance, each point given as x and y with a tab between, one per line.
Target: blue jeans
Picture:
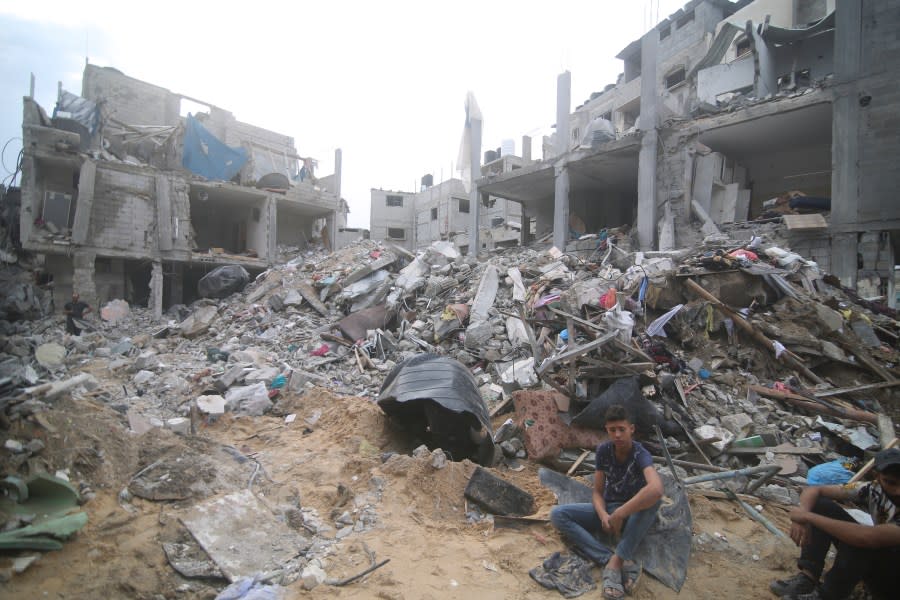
581	527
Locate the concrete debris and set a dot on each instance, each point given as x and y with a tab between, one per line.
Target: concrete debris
558	324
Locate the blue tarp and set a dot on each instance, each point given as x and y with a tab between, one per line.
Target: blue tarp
206	155
81	109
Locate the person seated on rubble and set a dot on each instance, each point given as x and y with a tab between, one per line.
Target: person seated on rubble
627	495
869	553
76	309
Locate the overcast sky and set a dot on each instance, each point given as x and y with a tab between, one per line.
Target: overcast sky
384	81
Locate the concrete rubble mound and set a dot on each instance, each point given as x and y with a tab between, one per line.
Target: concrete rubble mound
742	364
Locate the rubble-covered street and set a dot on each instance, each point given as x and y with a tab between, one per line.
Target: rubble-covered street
639	340
241	436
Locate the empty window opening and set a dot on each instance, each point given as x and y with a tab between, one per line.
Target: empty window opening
675	78
396	233
665	32
434	214
463	206
742	47
394	200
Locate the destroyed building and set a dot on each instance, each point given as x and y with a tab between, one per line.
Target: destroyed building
132	191
442	211
721	107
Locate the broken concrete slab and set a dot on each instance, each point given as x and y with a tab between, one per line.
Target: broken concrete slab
497	495
309	294
212	404
242	536
385	260
198	322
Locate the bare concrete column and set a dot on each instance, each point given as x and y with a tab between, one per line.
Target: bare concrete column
526	148
331	224
176	284
561	171
475	195
646	219
156	289
338	158
83	278
845	139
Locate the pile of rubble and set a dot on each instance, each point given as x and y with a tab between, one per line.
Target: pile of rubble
736	358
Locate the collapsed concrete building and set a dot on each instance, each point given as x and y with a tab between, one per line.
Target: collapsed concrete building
442	211
126	194
722	106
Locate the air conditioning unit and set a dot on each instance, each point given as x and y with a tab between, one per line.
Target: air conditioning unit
57	209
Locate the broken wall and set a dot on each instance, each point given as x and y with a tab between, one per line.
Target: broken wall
123	213
129	100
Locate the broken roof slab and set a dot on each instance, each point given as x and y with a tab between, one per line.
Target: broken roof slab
791	122
614	166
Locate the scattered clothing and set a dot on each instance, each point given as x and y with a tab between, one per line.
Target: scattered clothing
567	573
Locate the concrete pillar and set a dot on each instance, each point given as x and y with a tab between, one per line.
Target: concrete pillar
338	157
561	171
164	218
646	213
156	290
765	78
845	139
176	284
270	212
331	224
526	148
83	278
86	178
474	194
524	219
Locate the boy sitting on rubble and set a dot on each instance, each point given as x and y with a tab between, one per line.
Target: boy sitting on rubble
627	495
864	553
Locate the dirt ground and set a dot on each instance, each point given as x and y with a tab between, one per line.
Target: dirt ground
335	445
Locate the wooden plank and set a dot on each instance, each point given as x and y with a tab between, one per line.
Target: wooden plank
576	352
310	295
812	406
865	358
811	222
580	460
617	342
757	335
857	388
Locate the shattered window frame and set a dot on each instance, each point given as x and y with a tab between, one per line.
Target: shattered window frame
396	233
393	201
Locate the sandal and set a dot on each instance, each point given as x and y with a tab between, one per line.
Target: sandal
631	574
612	584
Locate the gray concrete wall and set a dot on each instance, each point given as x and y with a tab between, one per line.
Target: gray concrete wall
383	217
130	100
879	117
123	215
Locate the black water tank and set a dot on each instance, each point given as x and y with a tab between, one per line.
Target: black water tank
427	180
490	156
